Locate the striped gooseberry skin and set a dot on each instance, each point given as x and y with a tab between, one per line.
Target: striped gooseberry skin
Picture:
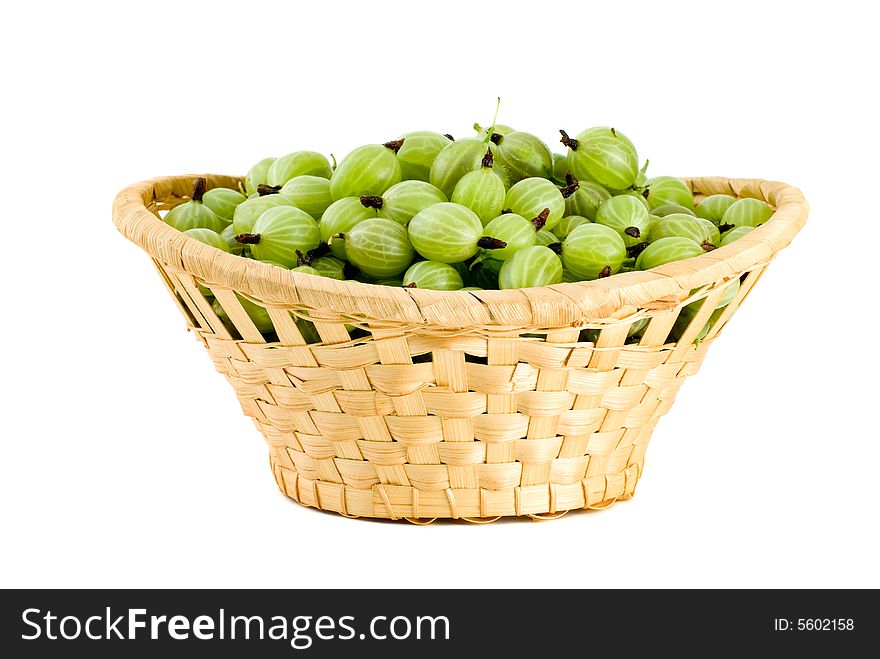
568	224
628	217
482	191
529	267
379	247
368	170
457	159
223	202
747	213
734	234
663	190
403	200
282	231
714	206
418	152
667	250
340	217
524	155
309	193
685	226
560	167
247	212
208	237
194	215
531	196
446	232
586	200
545	237
433	275
669	209
514	230
606	156
257	175
232	245
298	163
329	266
258	315
593	250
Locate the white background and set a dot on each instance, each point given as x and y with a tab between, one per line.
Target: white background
125	458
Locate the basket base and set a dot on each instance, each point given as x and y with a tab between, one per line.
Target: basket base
477	505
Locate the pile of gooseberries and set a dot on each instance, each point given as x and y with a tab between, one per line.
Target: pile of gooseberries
497	209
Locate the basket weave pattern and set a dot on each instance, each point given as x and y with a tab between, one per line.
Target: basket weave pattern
467	405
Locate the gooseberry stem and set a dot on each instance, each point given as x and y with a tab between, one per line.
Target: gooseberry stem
635	250
567	141
394	145
707	246
372	201
633	232
488	159
571	186
200	187
317	252
302	259
264	189
487	242
411	285
541	219
606	271
248	238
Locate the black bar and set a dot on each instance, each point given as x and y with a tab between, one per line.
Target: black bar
507	623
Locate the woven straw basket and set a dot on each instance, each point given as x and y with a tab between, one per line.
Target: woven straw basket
467	405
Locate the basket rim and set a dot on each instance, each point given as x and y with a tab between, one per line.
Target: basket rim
564	304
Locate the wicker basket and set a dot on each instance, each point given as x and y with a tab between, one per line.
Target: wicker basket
467	405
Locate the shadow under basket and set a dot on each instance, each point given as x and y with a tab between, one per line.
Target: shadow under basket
414	404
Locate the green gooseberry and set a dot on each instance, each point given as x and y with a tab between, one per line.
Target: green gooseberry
523	155
404	200
223	202
418	152
457	159
298	163
592	251
628	217
714	206
367	171
667	250
309	193
663	190
604	155
193	214
432	275
745	213
258	175
529	267
340	217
